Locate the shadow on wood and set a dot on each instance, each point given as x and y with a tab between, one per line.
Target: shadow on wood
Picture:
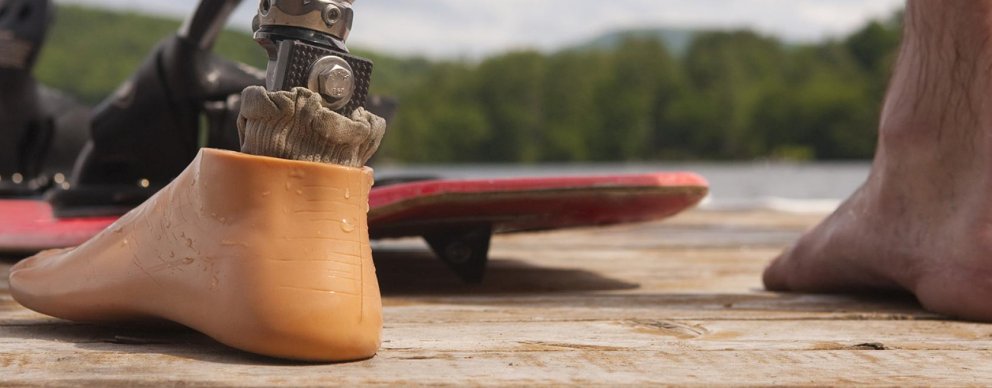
409	272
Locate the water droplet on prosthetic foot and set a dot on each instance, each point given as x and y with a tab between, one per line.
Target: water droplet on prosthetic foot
347	225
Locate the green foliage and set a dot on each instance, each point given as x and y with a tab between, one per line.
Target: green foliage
718	95
89	52
731	95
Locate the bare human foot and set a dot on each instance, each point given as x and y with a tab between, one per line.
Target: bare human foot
923	220
266	255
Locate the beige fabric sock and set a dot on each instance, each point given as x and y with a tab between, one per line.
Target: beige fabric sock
296	125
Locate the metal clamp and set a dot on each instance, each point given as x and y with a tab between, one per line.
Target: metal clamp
305	41
331	17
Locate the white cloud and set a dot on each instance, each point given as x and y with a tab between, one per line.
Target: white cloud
472	28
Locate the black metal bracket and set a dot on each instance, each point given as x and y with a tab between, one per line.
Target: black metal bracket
149	130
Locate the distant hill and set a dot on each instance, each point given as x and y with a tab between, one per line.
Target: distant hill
676	40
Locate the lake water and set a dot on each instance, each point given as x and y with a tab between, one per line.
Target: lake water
791	187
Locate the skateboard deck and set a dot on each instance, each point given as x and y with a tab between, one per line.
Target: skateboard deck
529	204
456	217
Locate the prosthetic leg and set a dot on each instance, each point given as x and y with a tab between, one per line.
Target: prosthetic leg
264	253
305	41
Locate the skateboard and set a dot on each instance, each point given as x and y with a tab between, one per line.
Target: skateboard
457	218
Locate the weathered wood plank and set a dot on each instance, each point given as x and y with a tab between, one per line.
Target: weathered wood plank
677	303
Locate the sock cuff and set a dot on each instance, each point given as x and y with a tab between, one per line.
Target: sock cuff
296	125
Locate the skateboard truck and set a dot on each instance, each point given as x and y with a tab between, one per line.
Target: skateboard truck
305	42
465	250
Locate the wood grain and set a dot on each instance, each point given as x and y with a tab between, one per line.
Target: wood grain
678	302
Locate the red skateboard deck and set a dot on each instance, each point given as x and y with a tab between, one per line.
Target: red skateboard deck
456	217
29	226
529	204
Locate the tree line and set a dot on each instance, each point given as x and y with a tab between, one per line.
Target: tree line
730	95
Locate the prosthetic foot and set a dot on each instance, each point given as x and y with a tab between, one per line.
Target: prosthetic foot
264	254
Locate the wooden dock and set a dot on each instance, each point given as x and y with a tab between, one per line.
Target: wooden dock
677	302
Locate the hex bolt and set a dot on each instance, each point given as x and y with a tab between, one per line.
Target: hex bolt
336	83
333	78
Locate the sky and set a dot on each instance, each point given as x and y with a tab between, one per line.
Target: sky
477	28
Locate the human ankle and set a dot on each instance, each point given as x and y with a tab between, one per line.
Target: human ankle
939	88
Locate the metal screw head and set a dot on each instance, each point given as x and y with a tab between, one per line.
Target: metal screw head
331	15
333	78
